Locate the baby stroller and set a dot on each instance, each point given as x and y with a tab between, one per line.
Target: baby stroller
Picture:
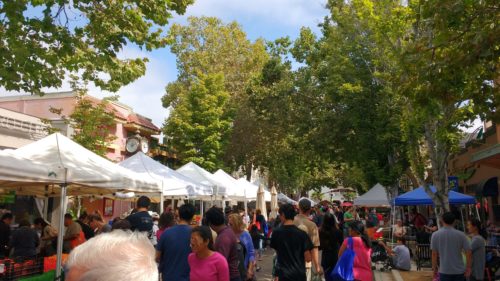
380	258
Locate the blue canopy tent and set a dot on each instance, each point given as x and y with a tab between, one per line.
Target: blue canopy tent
418	197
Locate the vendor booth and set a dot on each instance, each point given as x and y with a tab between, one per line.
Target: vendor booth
375	197
66	168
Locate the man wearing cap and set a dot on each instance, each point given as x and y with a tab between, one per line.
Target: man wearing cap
303	222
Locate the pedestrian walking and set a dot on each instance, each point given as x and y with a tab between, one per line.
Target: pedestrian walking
330	237
205	263
478	249
173	247
293	247
226	241
141	220
303	222
362	267
447	245
245	240
117	255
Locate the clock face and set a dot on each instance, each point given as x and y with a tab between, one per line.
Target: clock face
132	145
144	146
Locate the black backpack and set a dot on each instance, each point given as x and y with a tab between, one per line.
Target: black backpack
242	252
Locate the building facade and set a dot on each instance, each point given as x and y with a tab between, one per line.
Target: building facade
23	124
128	122
477	167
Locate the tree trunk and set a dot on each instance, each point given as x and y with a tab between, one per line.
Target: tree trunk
438	156
248	171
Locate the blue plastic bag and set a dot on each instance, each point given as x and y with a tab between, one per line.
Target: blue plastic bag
343	270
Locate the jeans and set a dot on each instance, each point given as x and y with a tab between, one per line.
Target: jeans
451	277
235	279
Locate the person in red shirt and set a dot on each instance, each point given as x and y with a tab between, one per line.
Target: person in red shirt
419	220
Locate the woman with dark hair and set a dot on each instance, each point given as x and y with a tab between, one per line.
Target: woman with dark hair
204	262
361	246
478	247
166	220
330	237
48	237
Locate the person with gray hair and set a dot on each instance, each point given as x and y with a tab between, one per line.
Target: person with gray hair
117	255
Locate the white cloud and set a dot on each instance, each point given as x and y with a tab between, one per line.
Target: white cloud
260	18
274	13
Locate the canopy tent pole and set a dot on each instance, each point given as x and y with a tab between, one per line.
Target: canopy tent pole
60	240
202	211
462	216
393	221
162	209
245	204
45	208
477	213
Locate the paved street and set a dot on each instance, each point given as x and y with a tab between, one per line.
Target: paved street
265	274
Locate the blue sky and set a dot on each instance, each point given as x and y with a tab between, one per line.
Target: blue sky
269	19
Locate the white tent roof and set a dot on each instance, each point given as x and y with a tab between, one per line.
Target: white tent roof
285	199
174	184
18	171
87	173
234	190
198	174
252	189
375	197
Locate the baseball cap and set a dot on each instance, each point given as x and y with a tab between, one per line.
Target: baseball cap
305	204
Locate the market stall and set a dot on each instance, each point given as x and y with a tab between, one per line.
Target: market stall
198	174
174	185
375	197
70	169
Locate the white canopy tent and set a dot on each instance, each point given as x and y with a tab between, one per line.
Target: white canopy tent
174	184
375	197
233	189
251	190
84	172
282	198
198	174
74	169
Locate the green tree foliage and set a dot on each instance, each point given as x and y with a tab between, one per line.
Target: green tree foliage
426	67
44	41
198	125
450	61
92	120
206	47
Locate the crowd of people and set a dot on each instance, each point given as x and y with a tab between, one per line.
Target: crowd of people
228	245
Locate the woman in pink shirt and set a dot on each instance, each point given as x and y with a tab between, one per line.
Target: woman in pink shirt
361	245
206	264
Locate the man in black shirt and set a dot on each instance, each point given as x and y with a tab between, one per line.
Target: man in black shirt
141	220
292	247
5	234
87	230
